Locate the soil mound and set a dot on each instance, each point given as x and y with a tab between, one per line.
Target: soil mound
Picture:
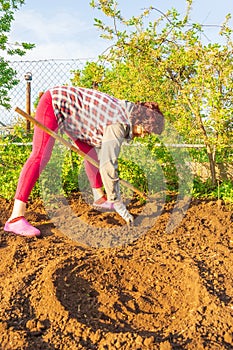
160	291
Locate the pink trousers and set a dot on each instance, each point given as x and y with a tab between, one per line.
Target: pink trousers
42	149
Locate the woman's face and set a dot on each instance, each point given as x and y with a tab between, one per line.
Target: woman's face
138	131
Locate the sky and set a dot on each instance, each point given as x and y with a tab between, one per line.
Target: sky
64	29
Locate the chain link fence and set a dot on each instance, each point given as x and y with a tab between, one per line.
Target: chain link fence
45	74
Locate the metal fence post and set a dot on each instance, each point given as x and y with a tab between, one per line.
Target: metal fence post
28	78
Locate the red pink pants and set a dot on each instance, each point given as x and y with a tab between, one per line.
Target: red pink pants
42	149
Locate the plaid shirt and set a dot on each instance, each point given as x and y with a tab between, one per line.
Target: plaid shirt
84	113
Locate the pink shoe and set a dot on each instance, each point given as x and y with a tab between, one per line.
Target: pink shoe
20	226
103	205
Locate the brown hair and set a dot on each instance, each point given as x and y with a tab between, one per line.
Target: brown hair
149	116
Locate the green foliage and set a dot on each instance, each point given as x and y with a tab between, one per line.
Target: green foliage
199	155
146	165
161	57
61	175
90	76
133	173
224	191
205	190
50	180
7	74
7	81
12	159
71	169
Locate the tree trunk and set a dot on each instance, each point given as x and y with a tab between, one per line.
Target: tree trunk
212	165
209	150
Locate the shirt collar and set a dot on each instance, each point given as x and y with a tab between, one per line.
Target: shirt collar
128	106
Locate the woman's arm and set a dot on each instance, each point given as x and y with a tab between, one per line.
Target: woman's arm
108	157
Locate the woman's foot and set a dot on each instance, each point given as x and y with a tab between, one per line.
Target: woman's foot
20	226
103	205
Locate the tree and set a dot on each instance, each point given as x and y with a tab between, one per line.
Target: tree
90	76
165	59
7	74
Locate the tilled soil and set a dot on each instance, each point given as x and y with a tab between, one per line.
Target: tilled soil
159	291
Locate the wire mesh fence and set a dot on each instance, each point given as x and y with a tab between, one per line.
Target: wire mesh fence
45	74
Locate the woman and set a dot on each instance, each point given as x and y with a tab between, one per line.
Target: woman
98	124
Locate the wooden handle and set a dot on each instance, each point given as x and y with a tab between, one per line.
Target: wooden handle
73	148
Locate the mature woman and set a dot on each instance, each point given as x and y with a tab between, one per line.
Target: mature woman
98	124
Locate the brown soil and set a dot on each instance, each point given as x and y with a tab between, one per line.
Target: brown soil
160	291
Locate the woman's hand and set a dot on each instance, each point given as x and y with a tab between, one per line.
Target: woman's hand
120	208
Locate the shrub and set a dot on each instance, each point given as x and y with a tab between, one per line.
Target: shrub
147	166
